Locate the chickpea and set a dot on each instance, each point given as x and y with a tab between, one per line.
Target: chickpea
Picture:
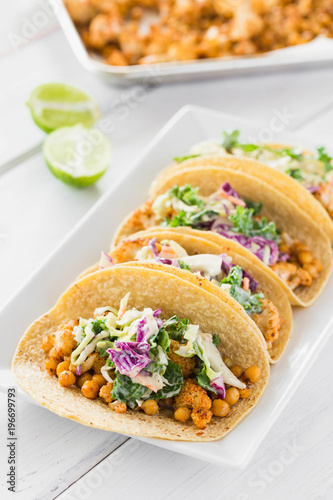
118	406
55	354
283	247
62	367
237	370
244	393
48	343
51	365
182	414
298	247
318	265
304	257
66	378
220	408
90	389
227	361
305	276
311	269
99	379
168	402
252	373
231	396
150	407
82	379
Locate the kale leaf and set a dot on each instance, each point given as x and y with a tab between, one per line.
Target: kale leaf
230	140
244	223
183	265
324	157
180	159
295	173
256	205
98	325
127	391
173	374
216	340
175	328
187	194
180	219
250	302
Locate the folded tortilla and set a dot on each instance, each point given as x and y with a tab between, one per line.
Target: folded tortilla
279	180
149	288
277	207
194	243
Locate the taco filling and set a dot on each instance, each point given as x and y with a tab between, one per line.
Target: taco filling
134	360
227	214
218	269
313	171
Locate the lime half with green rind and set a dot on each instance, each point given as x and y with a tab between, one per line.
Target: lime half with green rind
77	155
56	105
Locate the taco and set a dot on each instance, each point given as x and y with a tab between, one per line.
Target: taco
145	353
305	177
220	270
266	224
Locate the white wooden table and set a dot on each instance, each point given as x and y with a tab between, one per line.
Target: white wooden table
56	457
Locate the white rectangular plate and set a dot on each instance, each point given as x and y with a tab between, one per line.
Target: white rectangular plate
317	52
312	326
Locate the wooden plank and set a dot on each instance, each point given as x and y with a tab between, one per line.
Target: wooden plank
53	452
295	460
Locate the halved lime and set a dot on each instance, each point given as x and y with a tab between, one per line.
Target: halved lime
77	155
56	105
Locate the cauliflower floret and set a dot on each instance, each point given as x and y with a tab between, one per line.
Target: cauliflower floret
64	341
193	396
105	392
142	218
201	417
268	322
98	364
196	398
325	197
187	364
48	342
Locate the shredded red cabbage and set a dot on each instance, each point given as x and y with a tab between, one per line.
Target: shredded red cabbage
153	248
226	264
253	284
283	257
218	385
262	242
259	241
226	208
313	189
78	370
105	261
128	360
229	191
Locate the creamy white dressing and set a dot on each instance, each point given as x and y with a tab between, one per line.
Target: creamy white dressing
217	364
165	202
129	323
209	264
312	170
154	382
179	250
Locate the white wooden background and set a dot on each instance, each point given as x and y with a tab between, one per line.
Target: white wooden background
58	458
